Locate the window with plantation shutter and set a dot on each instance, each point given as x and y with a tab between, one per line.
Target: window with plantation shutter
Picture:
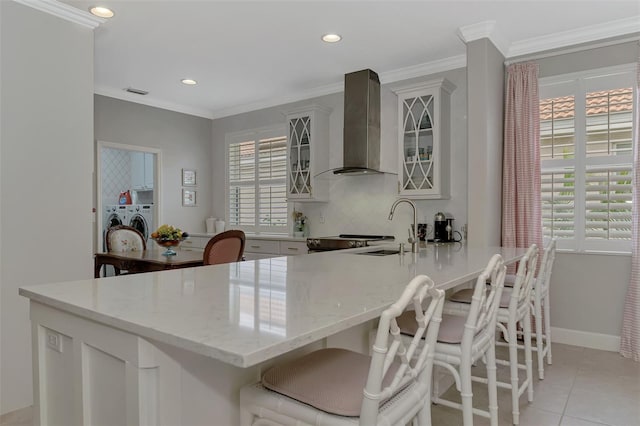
586	129
256	181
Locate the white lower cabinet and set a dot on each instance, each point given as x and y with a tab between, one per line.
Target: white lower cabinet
290	248
262	249
194	243
254	248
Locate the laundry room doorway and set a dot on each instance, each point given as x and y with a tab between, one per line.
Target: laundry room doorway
128	189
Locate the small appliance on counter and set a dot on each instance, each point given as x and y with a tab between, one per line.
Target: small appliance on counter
443	228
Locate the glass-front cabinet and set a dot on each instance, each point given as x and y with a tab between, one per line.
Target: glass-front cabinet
423	140
308	150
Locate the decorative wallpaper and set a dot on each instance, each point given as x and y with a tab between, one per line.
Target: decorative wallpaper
116	174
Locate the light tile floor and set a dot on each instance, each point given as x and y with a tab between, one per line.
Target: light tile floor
583	387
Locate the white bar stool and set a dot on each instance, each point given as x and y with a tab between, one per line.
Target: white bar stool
325	387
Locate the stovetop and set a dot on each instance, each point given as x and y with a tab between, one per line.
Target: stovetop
344	241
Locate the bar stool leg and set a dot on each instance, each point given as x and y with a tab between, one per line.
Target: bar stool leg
547	325
492	384
513	366
539	335
527	355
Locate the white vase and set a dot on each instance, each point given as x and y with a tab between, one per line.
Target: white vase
219	226
210	225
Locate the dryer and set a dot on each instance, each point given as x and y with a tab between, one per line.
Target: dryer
140	217
113	215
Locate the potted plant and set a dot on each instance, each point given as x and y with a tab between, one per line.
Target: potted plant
299	221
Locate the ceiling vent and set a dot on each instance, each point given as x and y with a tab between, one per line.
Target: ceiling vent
136	91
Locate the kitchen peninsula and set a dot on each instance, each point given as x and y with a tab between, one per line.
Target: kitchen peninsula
174	347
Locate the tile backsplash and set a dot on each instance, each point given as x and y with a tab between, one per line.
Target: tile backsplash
116	174
361	205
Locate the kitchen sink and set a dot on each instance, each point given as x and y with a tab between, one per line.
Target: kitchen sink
381	252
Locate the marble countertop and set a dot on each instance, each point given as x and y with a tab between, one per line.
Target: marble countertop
278	237
215	310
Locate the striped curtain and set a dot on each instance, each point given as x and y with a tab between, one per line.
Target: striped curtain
521	205
630	339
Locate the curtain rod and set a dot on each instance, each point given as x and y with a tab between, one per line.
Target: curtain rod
575	49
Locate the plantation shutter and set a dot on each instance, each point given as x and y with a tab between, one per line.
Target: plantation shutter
586	130
242	164
272	188
608	198
558	203
256	171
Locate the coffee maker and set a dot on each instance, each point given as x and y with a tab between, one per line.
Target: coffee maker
442	228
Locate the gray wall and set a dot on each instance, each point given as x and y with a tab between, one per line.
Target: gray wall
587	290
46	173
485	103
185	141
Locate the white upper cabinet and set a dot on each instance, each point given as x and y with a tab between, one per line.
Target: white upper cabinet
148	170
142	172
424	111
308	153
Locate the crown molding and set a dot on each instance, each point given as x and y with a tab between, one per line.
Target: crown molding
293	97
64	11
427	68
156	103
592	33
485	29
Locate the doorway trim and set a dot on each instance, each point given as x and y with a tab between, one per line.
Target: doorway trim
157	183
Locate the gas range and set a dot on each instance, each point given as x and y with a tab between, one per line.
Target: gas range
344	241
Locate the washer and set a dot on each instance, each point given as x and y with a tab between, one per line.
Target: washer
113	215
140	217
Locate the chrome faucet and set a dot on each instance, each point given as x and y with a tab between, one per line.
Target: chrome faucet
413	236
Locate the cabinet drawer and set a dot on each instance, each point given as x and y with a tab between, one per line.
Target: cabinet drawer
195	242
256	256
261	246
292	248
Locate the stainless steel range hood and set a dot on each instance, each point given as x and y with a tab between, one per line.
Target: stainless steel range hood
361	142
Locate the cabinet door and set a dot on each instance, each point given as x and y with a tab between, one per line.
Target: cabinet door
423	140
137	170
417	143
300	156
149	160
308	153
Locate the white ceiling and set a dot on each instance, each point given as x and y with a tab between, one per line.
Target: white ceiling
249	55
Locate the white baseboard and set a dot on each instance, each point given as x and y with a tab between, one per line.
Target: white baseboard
605	342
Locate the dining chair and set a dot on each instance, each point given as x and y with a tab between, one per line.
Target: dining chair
514	309
340	387
225	247
122	238
465	337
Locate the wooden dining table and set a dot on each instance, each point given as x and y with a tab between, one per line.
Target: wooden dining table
146	261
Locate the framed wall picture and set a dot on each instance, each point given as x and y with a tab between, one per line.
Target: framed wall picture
188	198
188	177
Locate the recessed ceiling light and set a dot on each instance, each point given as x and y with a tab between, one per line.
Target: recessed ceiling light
331	38
189	81
101	12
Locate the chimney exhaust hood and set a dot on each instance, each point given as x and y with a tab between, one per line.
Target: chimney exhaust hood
361	141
